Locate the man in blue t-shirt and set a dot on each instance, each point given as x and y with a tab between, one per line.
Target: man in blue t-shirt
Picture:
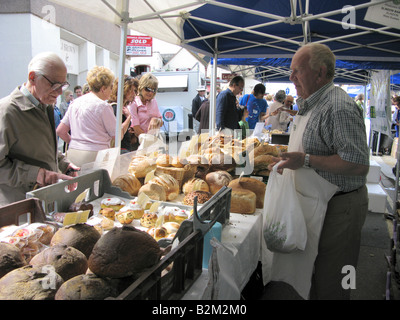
256	104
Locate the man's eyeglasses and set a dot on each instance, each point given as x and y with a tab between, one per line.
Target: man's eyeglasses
150	90
57	85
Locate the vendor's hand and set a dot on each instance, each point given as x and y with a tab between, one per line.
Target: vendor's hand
291	160
138	131
125	111
46	177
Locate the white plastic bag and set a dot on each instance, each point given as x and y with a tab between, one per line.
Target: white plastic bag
284	225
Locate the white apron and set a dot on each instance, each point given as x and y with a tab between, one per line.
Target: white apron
314	193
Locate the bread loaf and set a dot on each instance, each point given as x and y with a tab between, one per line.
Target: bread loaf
243	201
129	183
87	287
154	191
164	160
140	166
170	184
195	184
217	179
79	236
254	185
30	283
10	258
202	197
68	262
123	252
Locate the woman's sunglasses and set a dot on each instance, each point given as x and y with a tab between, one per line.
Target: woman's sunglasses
150	90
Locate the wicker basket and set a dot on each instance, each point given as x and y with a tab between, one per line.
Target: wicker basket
180	174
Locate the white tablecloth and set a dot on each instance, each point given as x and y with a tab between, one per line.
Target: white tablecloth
234	259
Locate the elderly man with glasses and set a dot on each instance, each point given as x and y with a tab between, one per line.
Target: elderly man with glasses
28	146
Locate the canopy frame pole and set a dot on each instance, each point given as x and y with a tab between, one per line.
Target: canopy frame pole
213	91
121	70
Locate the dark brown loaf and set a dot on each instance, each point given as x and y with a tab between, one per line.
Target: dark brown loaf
68	262
80	236
10	258
30	283
123	252
87	287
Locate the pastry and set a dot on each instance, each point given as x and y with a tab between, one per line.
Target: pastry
157	233
134	209
195	184
125	217
107	224
202	197
114	203
171	227
148	220
217	179
108	213
129	183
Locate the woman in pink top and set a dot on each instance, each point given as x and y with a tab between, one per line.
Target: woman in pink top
91	119
144	109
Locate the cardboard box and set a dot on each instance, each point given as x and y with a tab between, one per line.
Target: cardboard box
377	198
374	174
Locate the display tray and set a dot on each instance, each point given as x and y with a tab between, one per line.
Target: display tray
178	269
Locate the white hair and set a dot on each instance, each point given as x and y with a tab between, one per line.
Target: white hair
43	62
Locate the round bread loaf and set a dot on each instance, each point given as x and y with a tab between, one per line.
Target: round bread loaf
154	191
87	287
164	160
129	183
202	197
10	258
217	179
257	186
195	184
141	166
221	161
243	201
79	236
68	262
170	184
123	252
30	283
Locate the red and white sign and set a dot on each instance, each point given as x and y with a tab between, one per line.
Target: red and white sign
139	46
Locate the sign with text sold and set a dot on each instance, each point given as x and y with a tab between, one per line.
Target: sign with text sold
139	46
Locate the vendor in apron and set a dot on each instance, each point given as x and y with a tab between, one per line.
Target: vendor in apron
329	156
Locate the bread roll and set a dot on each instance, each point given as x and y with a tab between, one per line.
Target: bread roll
157	233
79	236
243	201
68	262
129	183
123	252
10	258
148	220
217	179
254	185
178	162
195	184
164	160
87	287
170	184
30	283
154	191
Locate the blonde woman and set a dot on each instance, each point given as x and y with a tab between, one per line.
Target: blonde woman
91	119
144	109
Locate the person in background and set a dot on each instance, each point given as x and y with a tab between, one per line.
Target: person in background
360	102
396	114
243	124
256	105
198	100
91	119
203	116
85	89
129	142
144	109
286	114
78	91
272	118
28	148
227	113
68	98
332	143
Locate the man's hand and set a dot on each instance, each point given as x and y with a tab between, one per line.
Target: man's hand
46	177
